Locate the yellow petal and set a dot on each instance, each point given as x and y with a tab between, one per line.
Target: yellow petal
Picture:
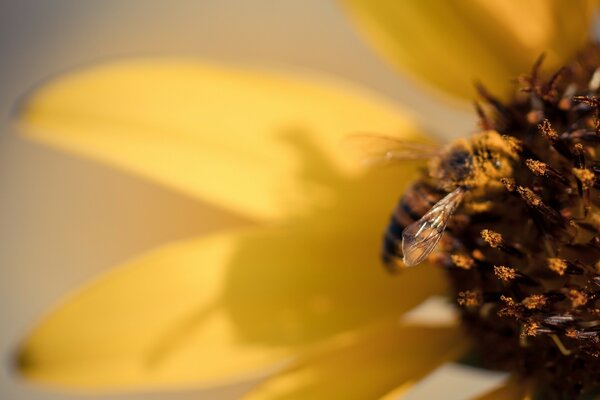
450	44
513	389
212	310
235	138
366	366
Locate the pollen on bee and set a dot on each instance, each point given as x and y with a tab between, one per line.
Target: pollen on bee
505	274
557	265
585	176
469	298
515	145
578	298
537	167
535	301
462	261
494	239
479	207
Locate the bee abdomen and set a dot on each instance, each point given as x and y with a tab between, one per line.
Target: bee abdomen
417	200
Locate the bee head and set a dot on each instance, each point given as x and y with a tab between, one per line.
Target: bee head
477	163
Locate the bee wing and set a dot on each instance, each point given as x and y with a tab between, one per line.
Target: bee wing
373	149
420	238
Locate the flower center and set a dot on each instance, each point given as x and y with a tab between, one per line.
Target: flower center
522	250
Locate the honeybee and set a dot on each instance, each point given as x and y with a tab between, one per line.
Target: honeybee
464	168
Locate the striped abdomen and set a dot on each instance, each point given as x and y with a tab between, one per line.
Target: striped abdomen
417	200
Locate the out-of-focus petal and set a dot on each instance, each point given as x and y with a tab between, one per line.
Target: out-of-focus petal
228	136
366	366
453	381
217	309
514	389
450	44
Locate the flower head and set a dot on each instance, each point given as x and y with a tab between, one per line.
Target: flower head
529	299
297	294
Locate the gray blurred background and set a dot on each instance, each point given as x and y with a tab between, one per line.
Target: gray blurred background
65	219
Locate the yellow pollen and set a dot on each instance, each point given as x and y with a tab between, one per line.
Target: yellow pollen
531	328
509	184
508	300
494	239
557	265
514	144
572	333
510	310
505	274
462	261
537	167
469	299
585	176
577	298
535	301
547	131
530	198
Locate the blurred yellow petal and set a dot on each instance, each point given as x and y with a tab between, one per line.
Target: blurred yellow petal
514	389
450	44
366	366
220	134
217	309
452	381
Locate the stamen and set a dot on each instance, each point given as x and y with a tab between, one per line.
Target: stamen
542	169
537	167
495	241
545	128
510	310
565	101
551	218
547	131
532	199
530	328
557	265
469	298
585	176
462	261
579	155
535	301
577	298
509	184
505	274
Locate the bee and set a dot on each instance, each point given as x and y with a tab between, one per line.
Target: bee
464	168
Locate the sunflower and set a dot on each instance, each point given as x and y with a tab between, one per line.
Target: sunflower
296	300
